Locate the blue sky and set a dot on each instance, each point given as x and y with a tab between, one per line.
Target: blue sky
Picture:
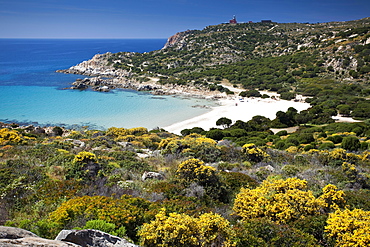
158	18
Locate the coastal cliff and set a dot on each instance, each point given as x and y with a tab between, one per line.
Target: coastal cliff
177	40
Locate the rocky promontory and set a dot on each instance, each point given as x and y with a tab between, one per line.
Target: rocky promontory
96	66
103	77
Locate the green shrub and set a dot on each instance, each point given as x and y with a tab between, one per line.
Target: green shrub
335	139
327	145
100	225
364	146
196	130
306	138
263	232
293	140
313	225
308	147
215	134
235	180
104	226
351	143
280	145
290	170
57	131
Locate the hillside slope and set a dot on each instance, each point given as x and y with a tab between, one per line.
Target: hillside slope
329	62
339	48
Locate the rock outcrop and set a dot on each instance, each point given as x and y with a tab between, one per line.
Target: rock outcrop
14	233
95	66
14	237
92	238
152	175
34	242
177	40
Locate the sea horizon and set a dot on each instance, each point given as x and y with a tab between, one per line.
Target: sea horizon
31	89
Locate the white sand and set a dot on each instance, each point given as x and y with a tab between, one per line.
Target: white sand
339	118
242	111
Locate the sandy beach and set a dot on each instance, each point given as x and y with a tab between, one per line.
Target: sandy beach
235	109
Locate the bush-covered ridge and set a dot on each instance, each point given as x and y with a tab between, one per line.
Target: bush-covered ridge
339	47
329	63
206	189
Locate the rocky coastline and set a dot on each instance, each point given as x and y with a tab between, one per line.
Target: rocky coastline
104	78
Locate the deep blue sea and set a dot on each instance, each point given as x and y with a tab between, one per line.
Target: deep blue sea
31	91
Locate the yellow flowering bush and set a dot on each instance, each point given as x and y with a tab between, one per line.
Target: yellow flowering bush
96	207
197	142
121	212
115	132
280	200
292	149
338	153
336	156
349	227
119	132
208	229
164	142
10	137
332	197
138	131
254	153
354	157
139	137
350	170
204	140
194	170
193	145
84	157
365	156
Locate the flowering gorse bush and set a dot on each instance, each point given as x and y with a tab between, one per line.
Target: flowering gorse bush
349	227
84	157
121	212
194	170
284	201
10	137
176	229
332	197
254	153
193	145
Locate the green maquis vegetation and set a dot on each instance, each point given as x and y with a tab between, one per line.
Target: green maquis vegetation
328	63
253	183
244	187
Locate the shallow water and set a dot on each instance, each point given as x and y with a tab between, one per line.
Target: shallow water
121	108
30	90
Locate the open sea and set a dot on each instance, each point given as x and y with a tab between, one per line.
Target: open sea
31	91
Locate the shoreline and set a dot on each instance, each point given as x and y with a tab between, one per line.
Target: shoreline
235	109
229	106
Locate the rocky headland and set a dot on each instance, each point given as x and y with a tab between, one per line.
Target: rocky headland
104	77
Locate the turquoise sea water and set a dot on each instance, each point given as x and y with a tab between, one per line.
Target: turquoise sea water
30	90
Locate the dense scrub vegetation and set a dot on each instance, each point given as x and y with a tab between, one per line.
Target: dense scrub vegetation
210	189
237	185
329	63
